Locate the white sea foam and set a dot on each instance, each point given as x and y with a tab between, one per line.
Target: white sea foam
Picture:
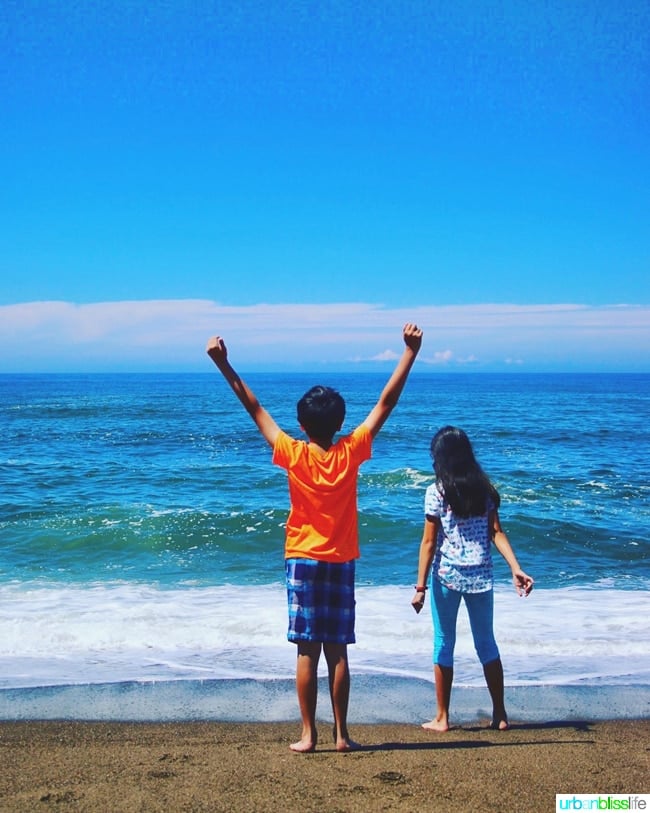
104	633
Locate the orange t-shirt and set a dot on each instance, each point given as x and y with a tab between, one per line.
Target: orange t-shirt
322	522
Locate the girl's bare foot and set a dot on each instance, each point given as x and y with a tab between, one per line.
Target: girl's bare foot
436	725
500	725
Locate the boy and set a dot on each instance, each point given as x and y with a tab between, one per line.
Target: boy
321	532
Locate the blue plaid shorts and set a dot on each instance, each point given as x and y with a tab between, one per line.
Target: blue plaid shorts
321	601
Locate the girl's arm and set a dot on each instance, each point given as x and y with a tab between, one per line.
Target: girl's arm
522	581
427	551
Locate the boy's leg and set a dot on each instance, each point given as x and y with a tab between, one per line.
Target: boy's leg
307	688
339	683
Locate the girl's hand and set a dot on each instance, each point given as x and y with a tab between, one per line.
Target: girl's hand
417	602
522	582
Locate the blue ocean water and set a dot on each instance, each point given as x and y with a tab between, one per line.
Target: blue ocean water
141	530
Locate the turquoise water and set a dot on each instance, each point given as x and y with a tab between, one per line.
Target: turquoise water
141	527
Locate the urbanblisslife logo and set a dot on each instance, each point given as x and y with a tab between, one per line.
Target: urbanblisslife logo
602	801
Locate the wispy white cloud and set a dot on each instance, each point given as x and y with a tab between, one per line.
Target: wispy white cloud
172	333
386	355
440	357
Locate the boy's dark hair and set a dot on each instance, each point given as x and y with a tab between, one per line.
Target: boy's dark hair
321	411
465	485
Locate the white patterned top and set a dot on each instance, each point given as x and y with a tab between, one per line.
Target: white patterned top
463	557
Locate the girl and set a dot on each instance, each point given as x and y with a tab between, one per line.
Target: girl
461	519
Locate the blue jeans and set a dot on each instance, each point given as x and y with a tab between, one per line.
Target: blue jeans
444	609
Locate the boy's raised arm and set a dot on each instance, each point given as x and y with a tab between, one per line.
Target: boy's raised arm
393	389
217	351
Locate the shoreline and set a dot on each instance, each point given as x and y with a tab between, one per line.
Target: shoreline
237	767
374	699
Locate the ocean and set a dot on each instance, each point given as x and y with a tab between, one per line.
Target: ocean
141	546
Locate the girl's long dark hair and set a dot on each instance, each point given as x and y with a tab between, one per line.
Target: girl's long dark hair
466	486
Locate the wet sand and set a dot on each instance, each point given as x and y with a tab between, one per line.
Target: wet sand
208	766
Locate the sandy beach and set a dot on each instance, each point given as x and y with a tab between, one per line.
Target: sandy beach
87	766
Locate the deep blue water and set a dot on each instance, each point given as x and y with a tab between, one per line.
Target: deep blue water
141	524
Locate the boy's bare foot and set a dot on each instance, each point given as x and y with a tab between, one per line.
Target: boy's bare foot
344	743
500	725
436	725
347	745
304	746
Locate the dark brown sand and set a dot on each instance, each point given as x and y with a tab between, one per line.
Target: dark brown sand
114	767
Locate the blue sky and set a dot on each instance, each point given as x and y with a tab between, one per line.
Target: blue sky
304	177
